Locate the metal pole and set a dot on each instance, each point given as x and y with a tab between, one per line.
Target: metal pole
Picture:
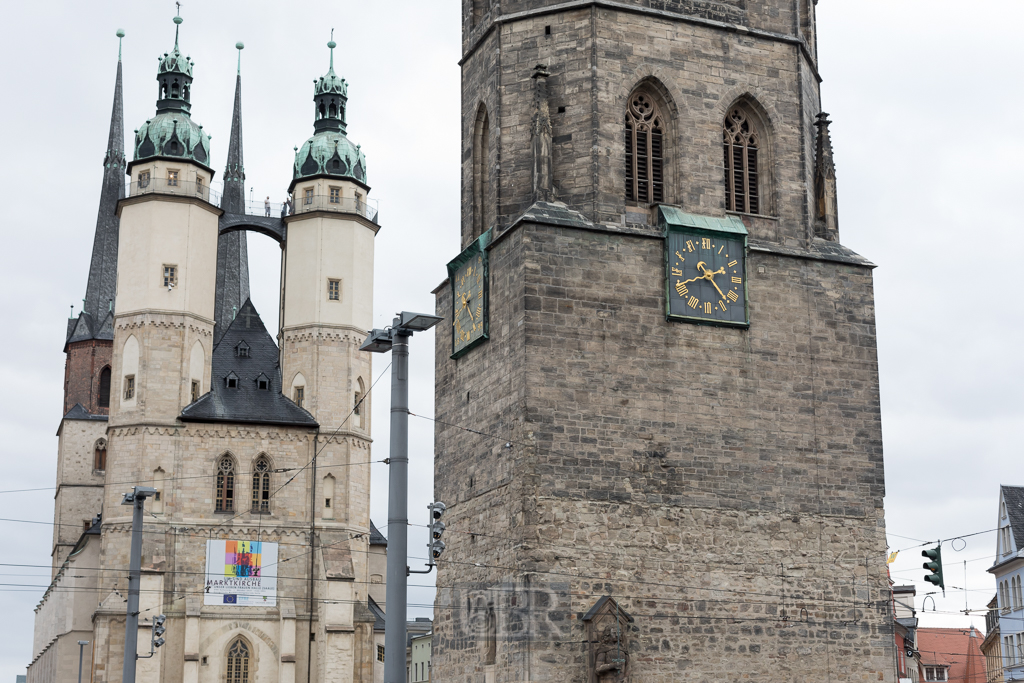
398	514
81	647
137	500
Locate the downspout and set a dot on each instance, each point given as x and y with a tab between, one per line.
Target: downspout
312	560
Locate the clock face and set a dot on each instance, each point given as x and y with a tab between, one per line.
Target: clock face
469	305
707	278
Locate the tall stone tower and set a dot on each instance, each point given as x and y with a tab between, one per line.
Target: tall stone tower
256	543
659	435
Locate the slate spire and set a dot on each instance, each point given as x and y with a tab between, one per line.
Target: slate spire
232	251
99	293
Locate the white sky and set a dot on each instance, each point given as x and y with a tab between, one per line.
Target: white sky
926	101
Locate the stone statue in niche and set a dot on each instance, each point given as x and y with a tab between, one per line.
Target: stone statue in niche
543	182
608	635
491	637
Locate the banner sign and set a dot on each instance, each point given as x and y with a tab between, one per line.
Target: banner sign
242	573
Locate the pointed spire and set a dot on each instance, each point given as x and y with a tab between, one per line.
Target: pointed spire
331	44
232	288
177	24
103	267
826	212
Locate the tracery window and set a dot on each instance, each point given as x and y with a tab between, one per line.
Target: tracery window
261	485
645	179
238	662
225	484
742	177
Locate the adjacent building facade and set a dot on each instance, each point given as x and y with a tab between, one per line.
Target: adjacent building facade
258	545
1008	570
659	434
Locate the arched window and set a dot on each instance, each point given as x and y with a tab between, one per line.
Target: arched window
99	461
261	485
103	399
225	484
645	178
238	662
742	175
481	171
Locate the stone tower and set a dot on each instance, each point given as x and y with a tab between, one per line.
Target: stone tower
655	469
256	543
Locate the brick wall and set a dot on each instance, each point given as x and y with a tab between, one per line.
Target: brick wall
82	367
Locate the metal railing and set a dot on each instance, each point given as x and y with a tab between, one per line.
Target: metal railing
367	208
181	188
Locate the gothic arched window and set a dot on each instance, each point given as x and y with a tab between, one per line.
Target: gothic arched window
645	131
261	485
742	176
238	662
481	171
225	484
103	399
99	460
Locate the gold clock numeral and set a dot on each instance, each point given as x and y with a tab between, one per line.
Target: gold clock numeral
707	308
689	245
732	263
677	271
693	302
737	281
479	309
681	288
681	257
732	296
721	248
724	309
705	243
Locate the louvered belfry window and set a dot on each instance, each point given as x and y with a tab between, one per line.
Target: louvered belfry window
742	182
645	141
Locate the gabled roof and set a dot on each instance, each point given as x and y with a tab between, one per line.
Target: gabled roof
378	613
1013	496
956	648
376	537
246	402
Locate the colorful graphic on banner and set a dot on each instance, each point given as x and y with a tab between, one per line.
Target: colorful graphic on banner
242	573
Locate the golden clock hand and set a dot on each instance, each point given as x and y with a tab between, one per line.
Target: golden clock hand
716	287
686	282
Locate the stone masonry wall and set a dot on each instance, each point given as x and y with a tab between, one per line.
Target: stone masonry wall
724	485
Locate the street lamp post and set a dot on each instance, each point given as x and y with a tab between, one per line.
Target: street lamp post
396	340
137	499
81	649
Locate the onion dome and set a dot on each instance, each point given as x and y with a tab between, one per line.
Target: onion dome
330	152
172	132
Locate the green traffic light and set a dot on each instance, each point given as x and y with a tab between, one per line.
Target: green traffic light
935	566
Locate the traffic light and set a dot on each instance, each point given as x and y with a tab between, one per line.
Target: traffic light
158	630
436	545
935	566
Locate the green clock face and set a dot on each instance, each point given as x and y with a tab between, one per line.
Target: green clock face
707	278
469	304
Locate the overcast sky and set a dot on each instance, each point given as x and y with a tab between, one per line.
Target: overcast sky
926	101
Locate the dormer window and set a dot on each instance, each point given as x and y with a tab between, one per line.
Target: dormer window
231	380
935	673
242	350
263	382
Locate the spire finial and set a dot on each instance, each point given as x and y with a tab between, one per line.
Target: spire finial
177	23
239	46
331	44
120	35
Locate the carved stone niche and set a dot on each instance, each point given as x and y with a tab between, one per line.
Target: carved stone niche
608	639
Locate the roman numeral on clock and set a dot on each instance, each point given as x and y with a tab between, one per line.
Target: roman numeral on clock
732	263
681	288
732	296
693	302
737	280
677	271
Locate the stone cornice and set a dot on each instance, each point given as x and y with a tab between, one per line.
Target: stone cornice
173	198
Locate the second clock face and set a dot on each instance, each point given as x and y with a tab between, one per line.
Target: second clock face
707	278
469	305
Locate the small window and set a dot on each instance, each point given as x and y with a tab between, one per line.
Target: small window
935	673
357	404
86	524
1002	509
300	395
359	202
334	290
99	461
327	502
199	184
170	276
129	387
380	653
195	391
172	178
242	350
231	380
143	179
263	384
225	484
335	195
103	399
261	485
308	196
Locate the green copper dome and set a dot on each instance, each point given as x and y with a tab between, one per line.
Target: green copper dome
172	134
329	151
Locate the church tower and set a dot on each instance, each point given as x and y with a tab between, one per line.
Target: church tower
659	434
